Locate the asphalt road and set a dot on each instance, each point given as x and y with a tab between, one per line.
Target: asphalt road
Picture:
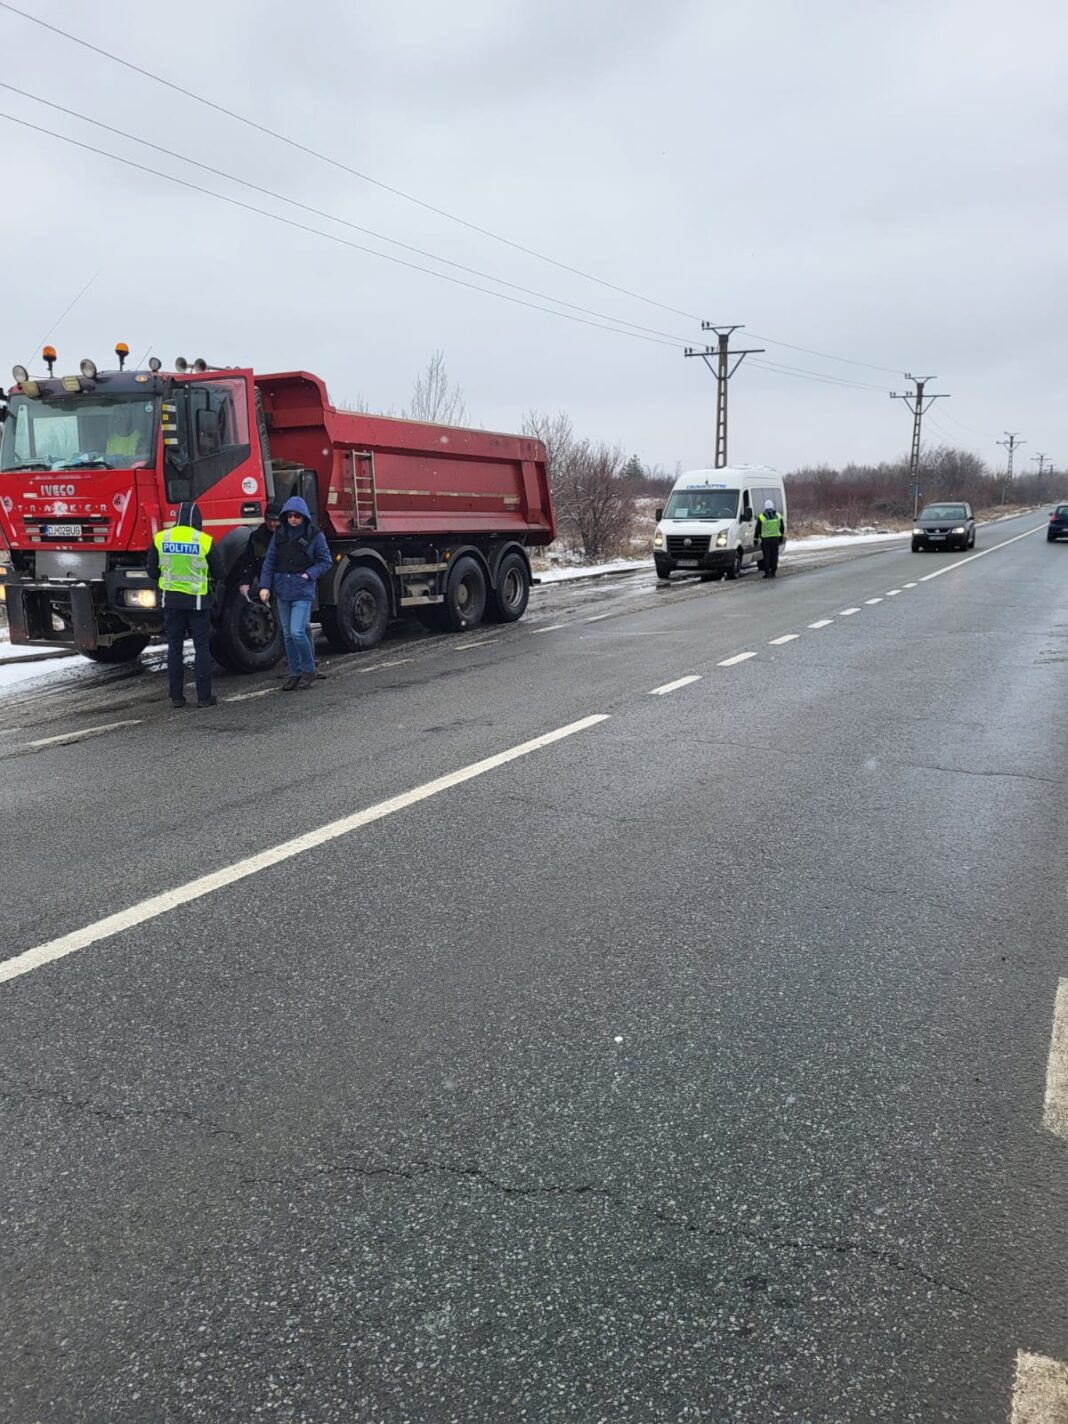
696	1064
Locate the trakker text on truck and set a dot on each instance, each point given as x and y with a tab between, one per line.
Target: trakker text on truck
421	519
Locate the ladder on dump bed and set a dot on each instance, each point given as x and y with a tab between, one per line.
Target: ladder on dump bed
364	497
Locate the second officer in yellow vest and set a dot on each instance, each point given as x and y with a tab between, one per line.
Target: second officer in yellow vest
183	561
771	536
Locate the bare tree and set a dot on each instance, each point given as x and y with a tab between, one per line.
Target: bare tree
435	398
594	505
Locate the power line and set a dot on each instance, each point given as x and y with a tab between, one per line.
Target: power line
638	333
331	217
331	236
400	193
336	163
819	376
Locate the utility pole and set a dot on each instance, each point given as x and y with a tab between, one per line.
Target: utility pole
1011	442
916	403
722	371
1041	458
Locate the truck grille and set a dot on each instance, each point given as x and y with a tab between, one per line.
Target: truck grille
688	546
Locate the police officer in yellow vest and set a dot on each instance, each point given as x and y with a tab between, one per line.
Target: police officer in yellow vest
771	536
183	561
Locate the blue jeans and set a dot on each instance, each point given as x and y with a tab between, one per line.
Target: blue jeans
293	614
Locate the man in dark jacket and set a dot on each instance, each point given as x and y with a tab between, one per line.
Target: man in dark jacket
251	562
771	535
182	561
297	556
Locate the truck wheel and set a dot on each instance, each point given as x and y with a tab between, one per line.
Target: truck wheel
508	601
362	610
735	567
465	596
123	650
246	637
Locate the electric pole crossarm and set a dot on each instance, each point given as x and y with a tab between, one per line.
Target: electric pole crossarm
722	371
918	405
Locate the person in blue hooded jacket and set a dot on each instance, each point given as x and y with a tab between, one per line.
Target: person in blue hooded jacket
296	557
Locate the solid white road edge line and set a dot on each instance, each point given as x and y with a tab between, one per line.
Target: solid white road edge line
822	623
158	905
1040	1390
738	658
786	638
982	554
674	686
83	733
1055	1109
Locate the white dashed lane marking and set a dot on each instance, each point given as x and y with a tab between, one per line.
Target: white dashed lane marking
674	686
786	638
893	593
738	658
597	617
822	623
910	585
393	662
847	611
1055	1110
873	600
63	738
1040	1390
479	643
247	696
162	904
552	628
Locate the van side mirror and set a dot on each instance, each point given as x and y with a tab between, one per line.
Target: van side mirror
747	513
658	515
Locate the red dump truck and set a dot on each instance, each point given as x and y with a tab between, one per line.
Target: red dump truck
430	520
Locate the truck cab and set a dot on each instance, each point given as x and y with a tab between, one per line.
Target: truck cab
92	466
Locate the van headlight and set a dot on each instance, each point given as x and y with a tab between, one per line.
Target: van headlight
721	538
658	540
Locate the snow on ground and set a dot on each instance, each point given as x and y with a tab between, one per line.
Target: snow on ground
617	566
23	669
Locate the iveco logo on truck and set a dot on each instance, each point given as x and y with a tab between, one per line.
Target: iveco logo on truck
59	489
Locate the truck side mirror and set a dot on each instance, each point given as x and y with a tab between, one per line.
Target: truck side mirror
658	515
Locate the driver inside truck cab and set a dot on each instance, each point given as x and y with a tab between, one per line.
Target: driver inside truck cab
125	439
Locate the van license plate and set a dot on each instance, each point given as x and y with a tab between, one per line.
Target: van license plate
63	531
687	563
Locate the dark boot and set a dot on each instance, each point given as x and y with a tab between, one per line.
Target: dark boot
307	679
291	682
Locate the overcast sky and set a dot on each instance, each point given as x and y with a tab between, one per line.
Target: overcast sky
880	182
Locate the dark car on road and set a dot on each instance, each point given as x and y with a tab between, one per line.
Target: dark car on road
1058	524
944	526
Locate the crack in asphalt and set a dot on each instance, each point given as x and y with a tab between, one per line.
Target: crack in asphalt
971	771
422	1168
106	1114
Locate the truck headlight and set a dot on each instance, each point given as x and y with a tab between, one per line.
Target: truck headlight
721	538
140	597
658	540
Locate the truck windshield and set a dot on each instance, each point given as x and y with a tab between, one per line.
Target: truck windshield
78	432
702	503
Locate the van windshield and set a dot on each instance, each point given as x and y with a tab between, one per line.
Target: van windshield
702	503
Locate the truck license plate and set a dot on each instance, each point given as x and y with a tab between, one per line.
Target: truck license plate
688	563
63	531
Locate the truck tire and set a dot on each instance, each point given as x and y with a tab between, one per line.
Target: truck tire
247	637
123	650
362	611
465	596
508	601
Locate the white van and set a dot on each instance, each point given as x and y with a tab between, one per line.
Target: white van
708	525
